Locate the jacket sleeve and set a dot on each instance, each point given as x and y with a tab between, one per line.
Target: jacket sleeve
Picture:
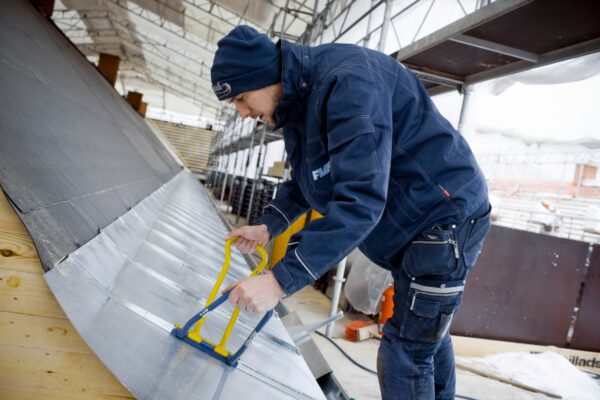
359	141
282	211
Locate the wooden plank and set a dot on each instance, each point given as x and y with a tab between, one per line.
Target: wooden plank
27	293
51	370
41	353
15	392
9	222
47	333
17	251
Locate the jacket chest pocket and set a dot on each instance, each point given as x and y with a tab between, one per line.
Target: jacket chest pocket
318	166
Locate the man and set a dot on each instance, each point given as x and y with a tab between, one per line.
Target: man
370	152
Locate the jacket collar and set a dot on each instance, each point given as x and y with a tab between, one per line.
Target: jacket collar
295	79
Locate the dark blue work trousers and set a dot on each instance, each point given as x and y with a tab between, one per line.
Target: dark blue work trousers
416	359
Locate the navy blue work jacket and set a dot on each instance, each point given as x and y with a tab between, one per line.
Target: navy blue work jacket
369	151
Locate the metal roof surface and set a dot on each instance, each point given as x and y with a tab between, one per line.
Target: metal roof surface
154	267
74	155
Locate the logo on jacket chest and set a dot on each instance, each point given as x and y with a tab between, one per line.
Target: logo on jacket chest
321	172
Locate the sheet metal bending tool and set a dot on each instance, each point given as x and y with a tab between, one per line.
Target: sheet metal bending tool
190	332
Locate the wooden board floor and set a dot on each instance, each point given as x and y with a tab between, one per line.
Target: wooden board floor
41	353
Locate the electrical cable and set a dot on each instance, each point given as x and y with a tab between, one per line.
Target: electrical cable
359	365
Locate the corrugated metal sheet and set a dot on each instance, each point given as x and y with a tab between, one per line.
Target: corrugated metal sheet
154	267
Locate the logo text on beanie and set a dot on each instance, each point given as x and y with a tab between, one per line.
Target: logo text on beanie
222	89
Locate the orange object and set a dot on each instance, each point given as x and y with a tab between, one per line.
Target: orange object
387	307
351	329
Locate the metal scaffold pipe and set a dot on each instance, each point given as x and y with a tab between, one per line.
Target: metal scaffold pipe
337	290
256	172
386	25
227	165
243	191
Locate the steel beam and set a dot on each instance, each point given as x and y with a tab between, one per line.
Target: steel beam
464	24
495	47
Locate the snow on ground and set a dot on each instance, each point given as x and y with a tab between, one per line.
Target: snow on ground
548	371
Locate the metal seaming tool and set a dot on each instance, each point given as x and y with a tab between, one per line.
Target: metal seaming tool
190	332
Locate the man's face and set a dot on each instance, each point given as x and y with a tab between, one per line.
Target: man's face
259	103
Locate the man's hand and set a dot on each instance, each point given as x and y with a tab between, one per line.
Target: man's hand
249	237
257	293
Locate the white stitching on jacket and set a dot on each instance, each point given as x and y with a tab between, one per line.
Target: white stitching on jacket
304	265
281	212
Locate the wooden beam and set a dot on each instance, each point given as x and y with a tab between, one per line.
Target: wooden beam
108	65
135	99
142	108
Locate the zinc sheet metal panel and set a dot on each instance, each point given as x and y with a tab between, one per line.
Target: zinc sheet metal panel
586	335
154	267
523	289
74	155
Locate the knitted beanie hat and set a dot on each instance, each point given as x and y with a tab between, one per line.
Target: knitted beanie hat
245	60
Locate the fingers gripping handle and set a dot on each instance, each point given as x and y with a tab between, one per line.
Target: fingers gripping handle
211	304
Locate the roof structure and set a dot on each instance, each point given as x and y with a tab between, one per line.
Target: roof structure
502	38
170	44
166	47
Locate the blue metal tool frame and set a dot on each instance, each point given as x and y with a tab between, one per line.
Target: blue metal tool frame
182	333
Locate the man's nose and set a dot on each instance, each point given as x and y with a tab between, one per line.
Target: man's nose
243	110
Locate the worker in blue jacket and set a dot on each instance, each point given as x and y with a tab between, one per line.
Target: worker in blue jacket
369	151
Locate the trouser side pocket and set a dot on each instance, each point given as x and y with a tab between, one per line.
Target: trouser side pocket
429	311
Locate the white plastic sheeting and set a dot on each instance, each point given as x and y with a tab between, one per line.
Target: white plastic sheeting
365	283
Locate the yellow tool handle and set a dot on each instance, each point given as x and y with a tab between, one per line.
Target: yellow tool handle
213	294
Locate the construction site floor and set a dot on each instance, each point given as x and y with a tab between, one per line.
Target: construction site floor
312	306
